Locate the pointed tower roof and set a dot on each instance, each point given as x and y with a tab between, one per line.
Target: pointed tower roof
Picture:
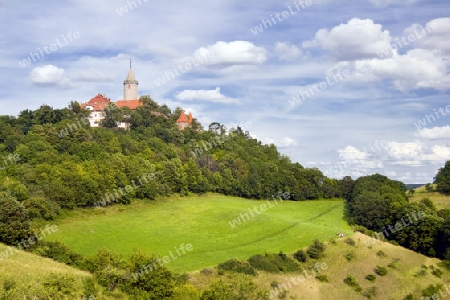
182	118
190	118
130	76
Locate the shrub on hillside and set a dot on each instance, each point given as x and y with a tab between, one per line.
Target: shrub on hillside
431	290
61	253
322	278
350	255
273	263
381	253
437	273
300	255
351	281
316	250
62	286
371	277
382	271
409	297
234	265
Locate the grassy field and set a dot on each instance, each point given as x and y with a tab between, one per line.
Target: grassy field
440	201
203	222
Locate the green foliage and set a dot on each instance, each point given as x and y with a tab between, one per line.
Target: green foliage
381	253
371	277
437	272
238	266
273	263
409	297
62	286
431	290
40	207
300	255
237	287
382	271
350	255
14	221
316	250
322	278
149	277
428	203
442	179
351	281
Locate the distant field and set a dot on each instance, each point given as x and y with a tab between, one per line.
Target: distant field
441	201
203	222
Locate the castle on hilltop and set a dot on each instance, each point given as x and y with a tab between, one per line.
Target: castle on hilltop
131	100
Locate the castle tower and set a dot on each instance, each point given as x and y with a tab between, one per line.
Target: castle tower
130	86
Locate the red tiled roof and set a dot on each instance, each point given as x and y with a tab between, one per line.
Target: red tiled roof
98	102
183	118
131	104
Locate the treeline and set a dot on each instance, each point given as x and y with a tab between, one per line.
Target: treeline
381	205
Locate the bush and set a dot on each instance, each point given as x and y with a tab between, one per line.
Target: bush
437	273
371	277
300	255
382	271
40	207
322	278
431	290
234	265
62	286
409	297
273	263
350	255
316	250
61	253
381	254
14	220
349	241
351	281
392	265
445	264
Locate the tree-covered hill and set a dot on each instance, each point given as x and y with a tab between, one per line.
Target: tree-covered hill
52	159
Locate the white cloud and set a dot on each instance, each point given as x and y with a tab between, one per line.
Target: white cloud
435	133
207	95
48	75
351	153
287	142
404	151
439	153
417	69
358	39
233	53
435	35
287	52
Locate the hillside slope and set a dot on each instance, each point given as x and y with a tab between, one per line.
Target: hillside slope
28	276
407	273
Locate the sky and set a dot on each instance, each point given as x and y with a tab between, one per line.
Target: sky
352	87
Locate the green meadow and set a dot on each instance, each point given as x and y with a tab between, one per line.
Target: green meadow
160	227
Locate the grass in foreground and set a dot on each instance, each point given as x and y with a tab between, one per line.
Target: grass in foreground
203	222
